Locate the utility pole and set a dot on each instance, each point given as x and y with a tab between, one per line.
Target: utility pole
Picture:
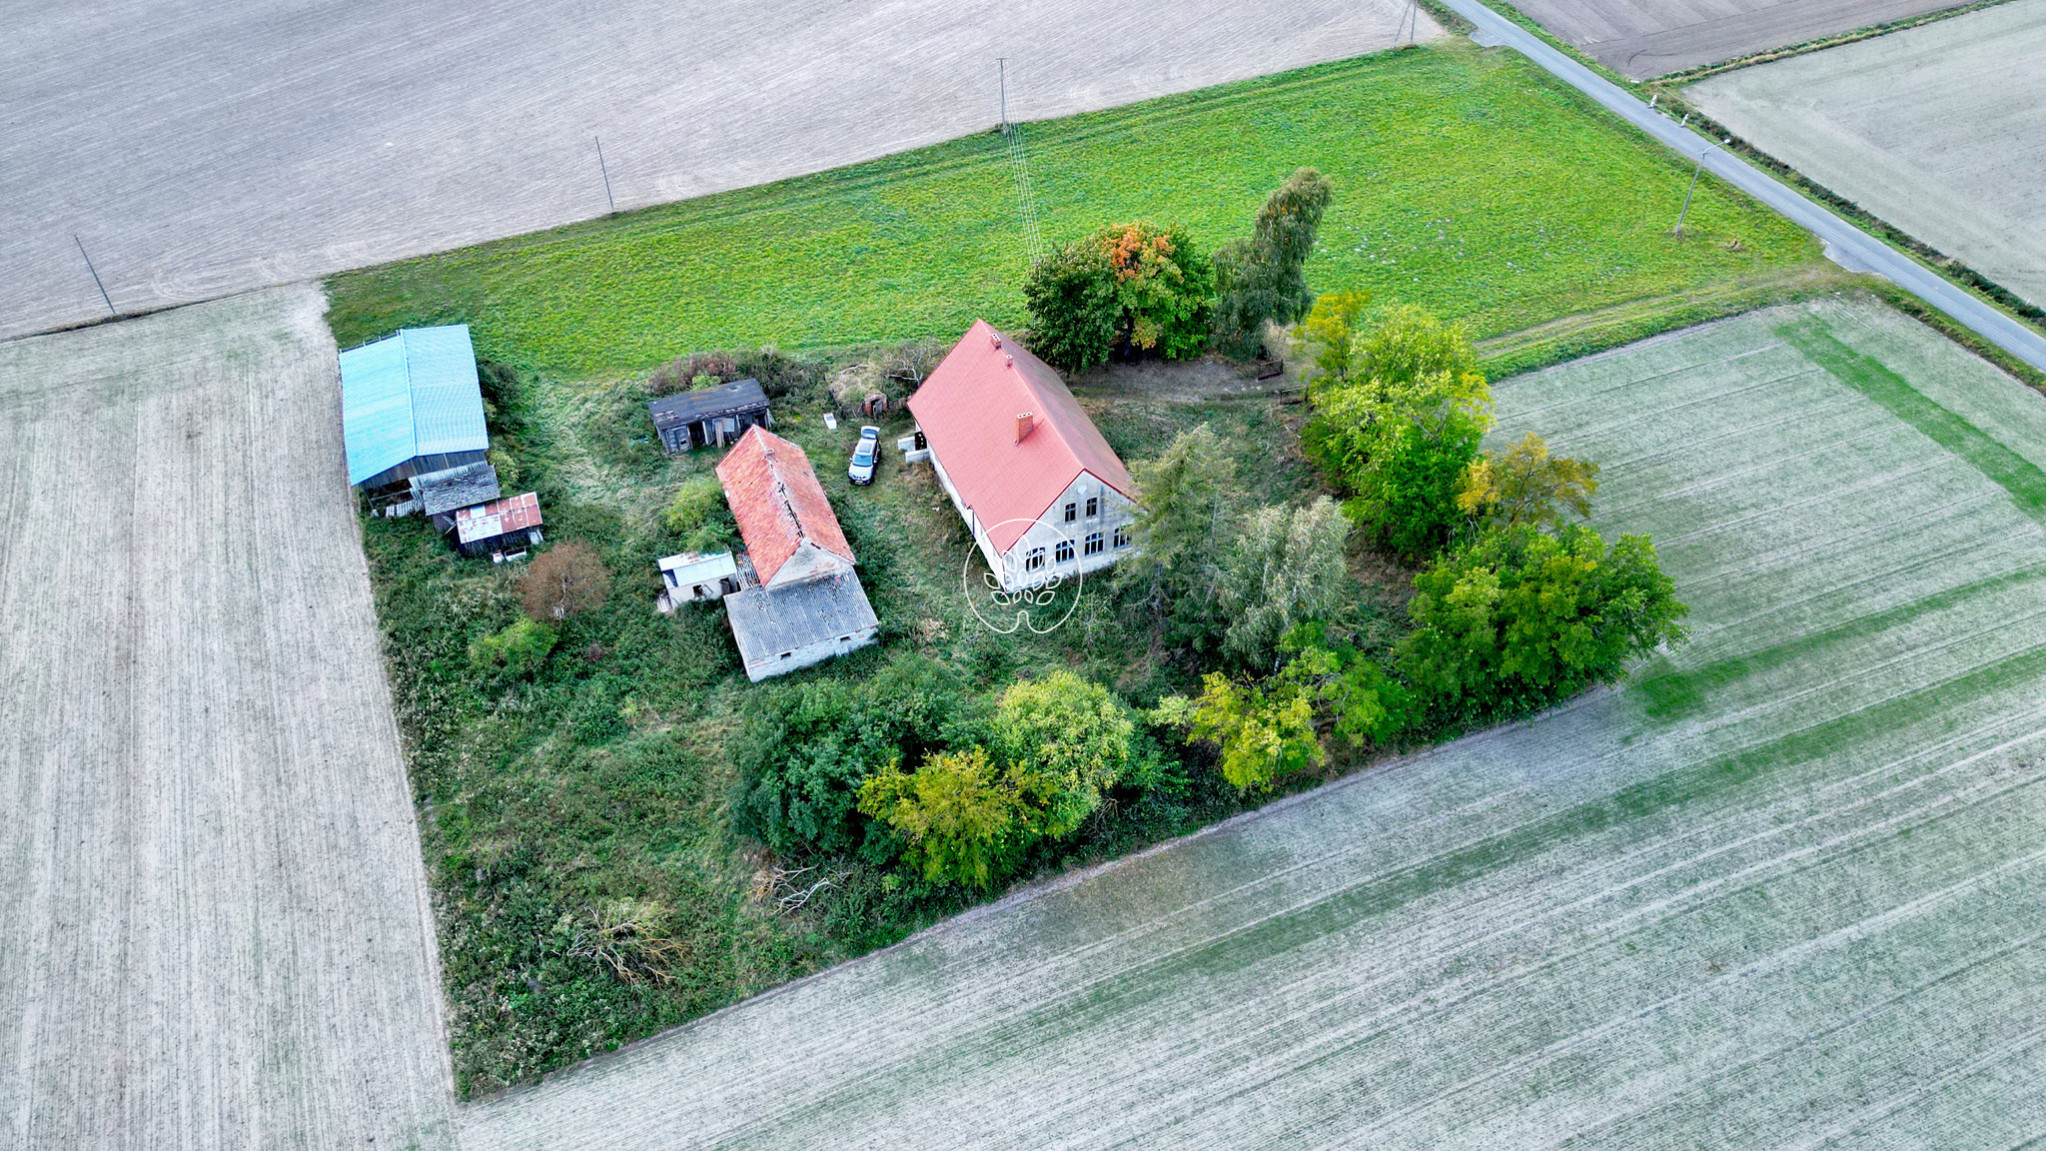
1699	171
607	175
1002	63
95	276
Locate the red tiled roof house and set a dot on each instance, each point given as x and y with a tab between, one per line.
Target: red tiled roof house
1041	490
809	605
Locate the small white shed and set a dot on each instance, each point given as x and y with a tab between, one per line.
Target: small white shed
691	576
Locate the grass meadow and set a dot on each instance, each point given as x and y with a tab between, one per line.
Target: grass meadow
1467	181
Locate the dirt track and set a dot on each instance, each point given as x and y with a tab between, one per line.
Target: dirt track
201	148
1935	129
1644	38
213	922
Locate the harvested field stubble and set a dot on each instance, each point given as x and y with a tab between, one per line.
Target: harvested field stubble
1933	129
1647	38
1782	889
213	923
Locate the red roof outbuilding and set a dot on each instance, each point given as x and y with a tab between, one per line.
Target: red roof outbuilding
778	502
1008	470
498	518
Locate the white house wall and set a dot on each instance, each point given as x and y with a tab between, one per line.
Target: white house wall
809	656
1116	510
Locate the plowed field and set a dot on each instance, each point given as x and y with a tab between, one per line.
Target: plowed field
213	922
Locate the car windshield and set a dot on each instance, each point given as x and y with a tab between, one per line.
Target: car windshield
864	454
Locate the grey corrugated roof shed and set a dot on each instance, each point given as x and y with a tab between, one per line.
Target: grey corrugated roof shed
735	398
451	488
766	623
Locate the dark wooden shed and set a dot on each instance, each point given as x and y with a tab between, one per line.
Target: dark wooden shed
717	415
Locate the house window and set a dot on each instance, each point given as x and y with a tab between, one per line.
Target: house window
1093	506
1072	511
1034	560
1064	554
1122	537
1093	542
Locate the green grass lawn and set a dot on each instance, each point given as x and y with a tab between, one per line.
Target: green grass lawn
1467	181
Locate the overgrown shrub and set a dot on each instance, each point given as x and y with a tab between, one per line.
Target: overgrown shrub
699	499
803	750
519	649
680	375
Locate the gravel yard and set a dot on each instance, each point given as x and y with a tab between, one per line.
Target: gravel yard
1935	129
1784	889
198	149
1647	38
213	921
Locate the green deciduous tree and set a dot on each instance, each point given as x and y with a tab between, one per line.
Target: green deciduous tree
1074	308
1066	741
1331	326
1406	492
1259	280
1400	425
1521	618
1286	568
1526	485
1407	343
1263	730
1136	285
1186	506
959	819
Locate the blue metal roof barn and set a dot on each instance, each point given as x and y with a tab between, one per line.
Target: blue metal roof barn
410	397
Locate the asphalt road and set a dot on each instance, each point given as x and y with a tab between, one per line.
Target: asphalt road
1845	244
198	149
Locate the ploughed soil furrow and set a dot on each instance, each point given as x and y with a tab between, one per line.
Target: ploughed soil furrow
213	930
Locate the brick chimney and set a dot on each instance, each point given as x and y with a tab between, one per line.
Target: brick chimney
1024	423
